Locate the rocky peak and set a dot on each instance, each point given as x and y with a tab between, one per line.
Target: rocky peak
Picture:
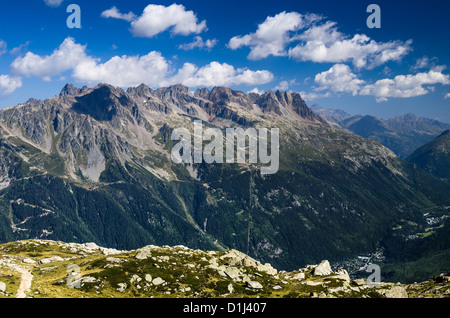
300	107
269	102
69	90
103	102
172	92
141	91
224	95
202	93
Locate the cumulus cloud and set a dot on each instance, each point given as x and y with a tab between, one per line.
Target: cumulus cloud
157	18
53	3
9	84
447	96
199	43
218	74
311	38
405	86
324	43
114	13
66	57
339	78
124	71
272	35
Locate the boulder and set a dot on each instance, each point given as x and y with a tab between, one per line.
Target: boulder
122	287
323	269
298	276
145	252
342	274
2	287
233	273
158	281
29	261
254	285
395	292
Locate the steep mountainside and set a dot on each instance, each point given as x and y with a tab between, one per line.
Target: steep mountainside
434	157
93	165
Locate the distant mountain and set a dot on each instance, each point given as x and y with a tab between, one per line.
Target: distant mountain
332	116
94	165
434	157
402	134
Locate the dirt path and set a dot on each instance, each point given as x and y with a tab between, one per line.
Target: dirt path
25	283
26	278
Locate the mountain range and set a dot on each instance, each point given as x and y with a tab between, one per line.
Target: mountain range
402	134
94	165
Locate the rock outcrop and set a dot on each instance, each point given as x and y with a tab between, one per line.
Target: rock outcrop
84	270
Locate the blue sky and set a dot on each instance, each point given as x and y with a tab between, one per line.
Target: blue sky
322	49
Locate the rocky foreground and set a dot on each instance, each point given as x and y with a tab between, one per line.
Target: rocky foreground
49	269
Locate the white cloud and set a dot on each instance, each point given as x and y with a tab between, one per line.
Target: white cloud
217	74
272	35
325	44
124	71
256	91
9	84
317	41
283	86
53	3
313	96
157	18
199	43
339	78
447	96
66	57
405	86
114	13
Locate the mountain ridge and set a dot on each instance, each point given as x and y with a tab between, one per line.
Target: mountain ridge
104	172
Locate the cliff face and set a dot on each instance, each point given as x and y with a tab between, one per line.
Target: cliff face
49	269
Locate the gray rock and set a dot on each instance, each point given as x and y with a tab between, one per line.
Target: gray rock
395	292
254	285
122	287
233	273
29	261
323	269
2	287
158	281
135	279
299	276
